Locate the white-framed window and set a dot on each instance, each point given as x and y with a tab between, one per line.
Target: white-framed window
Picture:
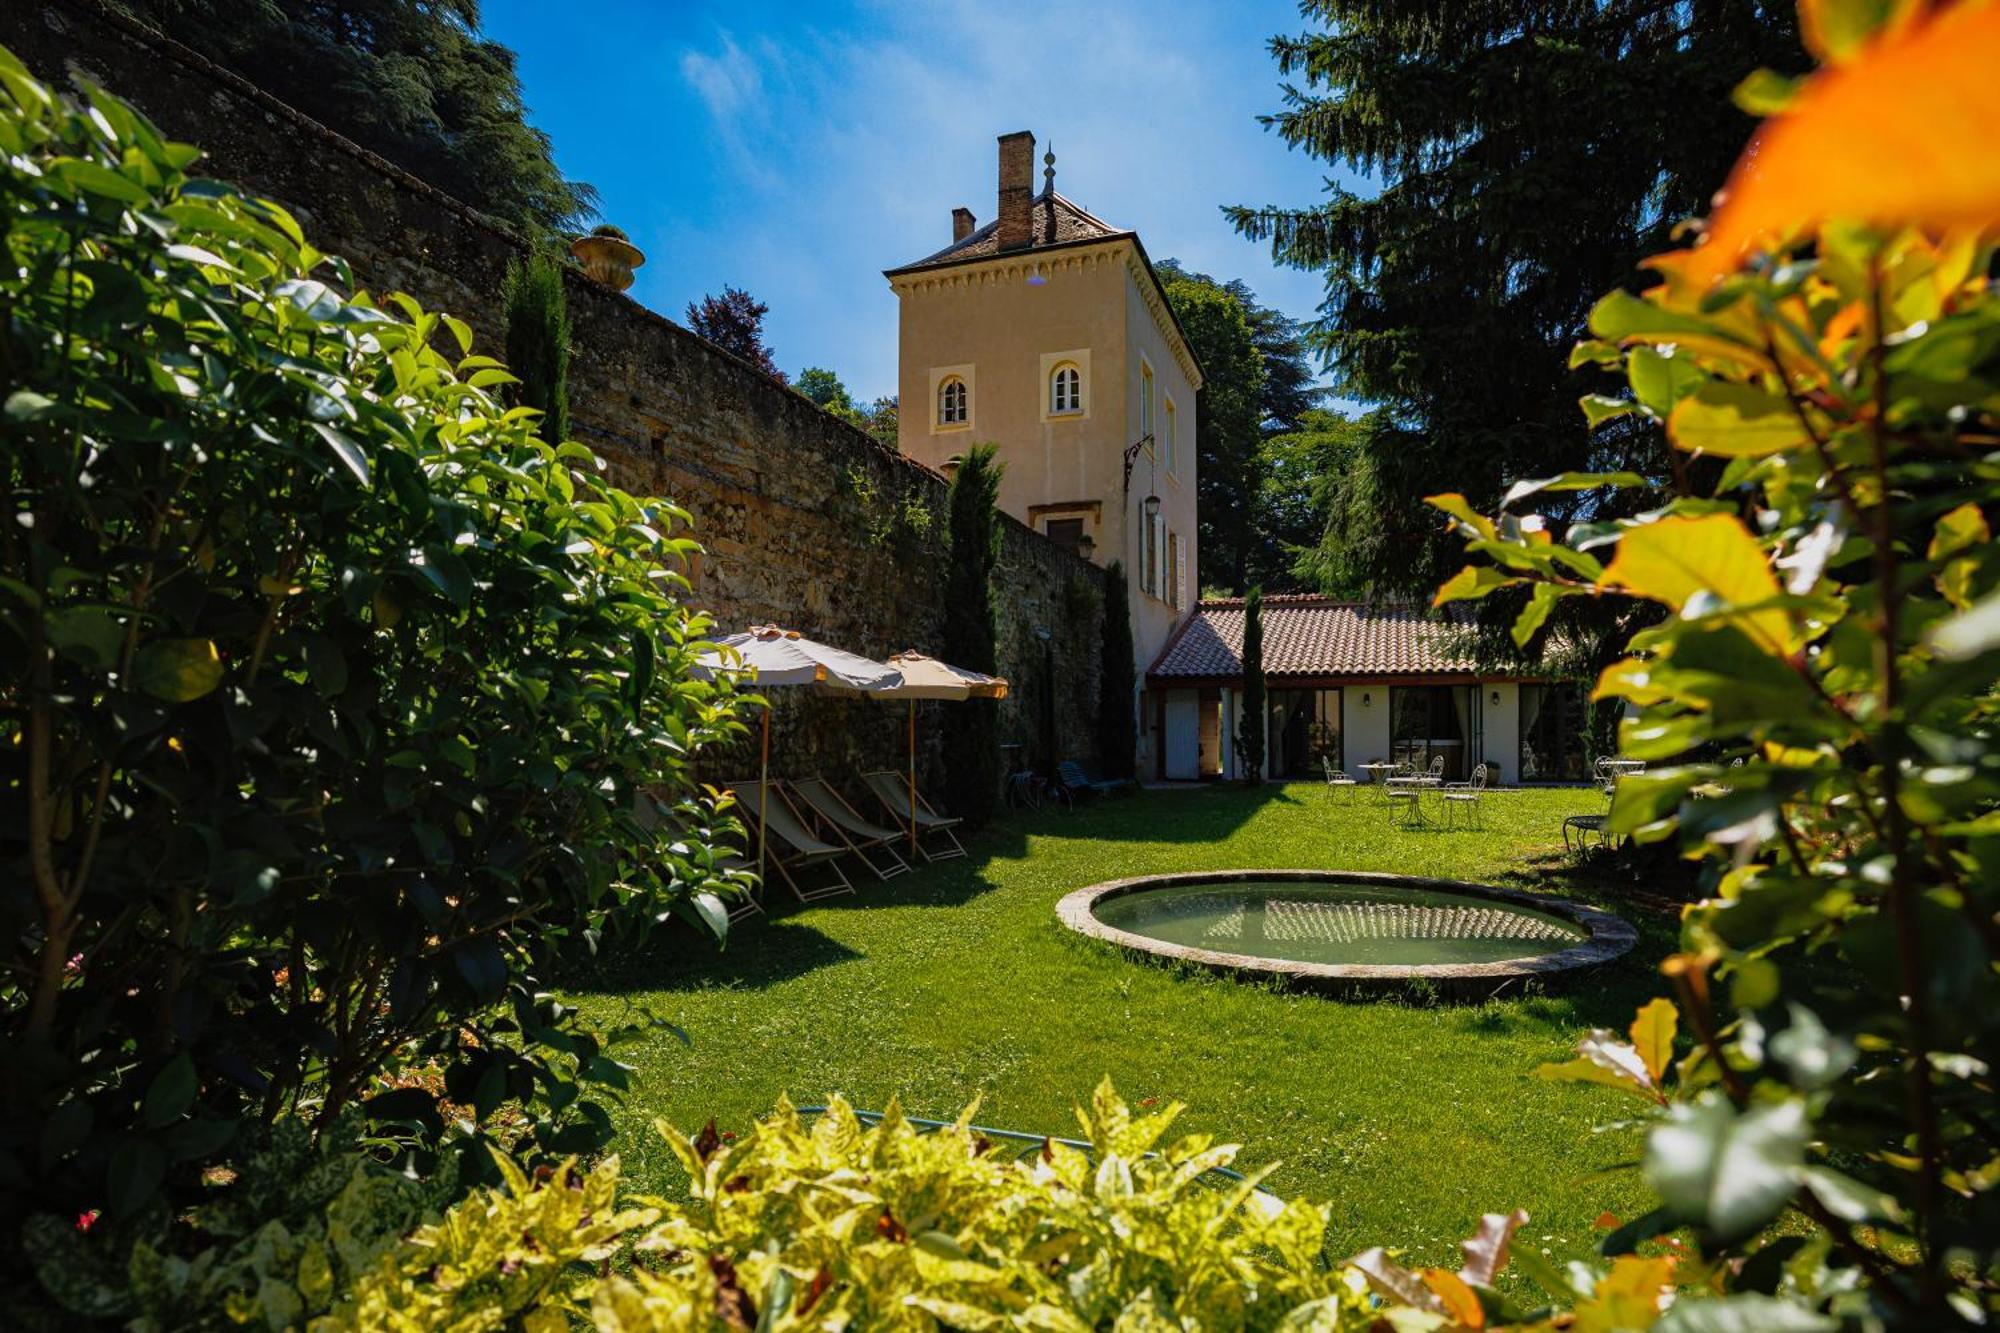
1065	381
1145	399
954	402
1065	391
1170	434
954	394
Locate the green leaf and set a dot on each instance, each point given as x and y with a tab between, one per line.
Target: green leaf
91	178
1599	408
1471	582
1542	601
346	450
1660	381
1594	352
1765	92
1570	481
1725	1171
137	1168
1836	30
1735	421
1847	1198
1971	632
171	1093
443	570
1743	1312
177	670
25	405
86	634
326	664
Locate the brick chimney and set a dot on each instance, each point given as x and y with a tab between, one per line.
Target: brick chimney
961	224
1017	189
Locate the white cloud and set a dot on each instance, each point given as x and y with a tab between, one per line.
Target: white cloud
843	152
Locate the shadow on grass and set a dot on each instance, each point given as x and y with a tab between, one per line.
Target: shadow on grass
1213	813
760	954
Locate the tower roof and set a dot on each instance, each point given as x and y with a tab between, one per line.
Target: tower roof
1054	222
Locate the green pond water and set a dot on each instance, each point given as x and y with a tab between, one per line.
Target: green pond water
1331	922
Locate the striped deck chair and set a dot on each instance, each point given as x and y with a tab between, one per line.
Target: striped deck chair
874	845
893	791
789	845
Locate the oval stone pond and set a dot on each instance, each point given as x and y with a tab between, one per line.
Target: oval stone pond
1348	928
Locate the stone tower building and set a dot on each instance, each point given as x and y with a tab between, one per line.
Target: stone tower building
1046	333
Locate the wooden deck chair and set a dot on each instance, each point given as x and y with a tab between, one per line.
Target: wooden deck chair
893	791
874	845
789	845
651	816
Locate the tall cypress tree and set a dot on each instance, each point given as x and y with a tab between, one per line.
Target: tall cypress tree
972	751
1117	730
538	340
1529	154
1250	726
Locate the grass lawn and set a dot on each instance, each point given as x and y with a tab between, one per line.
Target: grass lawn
956	981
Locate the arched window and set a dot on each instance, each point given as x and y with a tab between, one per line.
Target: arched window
1065	390
951	407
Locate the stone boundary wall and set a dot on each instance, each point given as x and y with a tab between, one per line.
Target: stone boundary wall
805	519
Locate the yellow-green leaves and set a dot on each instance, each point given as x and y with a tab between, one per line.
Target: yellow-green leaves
1836	30
1735	421
1603	1059
1652	1034
177	670
1472	582
1713	558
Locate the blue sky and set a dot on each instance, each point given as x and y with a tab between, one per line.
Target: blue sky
798	149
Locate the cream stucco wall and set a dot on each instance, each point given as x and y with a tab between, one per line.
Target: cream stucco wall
1002	325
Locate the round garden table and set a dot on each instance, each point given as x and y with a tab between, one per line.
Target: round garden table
1378	775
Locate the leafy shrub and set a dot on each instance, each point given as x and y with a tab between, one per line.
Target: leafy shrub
326	693
1822	692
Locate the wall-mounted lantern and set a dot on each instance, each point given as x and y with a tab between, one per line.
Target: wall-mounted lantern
1496	698
1152	507
1086	546
1366	701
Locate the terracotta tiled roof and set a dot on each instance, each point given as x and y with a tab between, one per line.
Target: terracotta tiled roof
1309	635
1073	226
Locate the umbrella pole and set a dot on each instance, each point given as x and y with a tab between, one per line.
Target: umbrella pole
913	777
763	794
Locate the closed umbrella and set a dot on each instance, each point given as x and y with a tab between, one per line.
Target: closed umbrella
776	658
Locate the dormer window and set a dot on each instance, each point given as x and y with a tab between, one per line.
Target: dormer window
1066	391
953	408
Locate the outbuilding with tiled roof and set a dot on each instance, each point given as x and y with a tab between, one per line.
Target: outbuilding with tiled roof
1352	683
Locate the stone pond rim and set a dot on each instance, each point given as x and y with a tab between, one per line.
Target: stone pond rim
1608	936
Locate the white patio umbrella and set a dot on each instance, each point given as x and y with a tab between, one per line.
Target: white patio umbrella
922	677
772	658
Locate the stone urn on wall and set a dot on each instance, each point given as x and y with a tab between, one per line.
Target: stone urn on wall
607	256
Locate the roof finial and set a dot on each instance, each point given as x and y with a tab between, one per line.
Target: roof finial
1049	168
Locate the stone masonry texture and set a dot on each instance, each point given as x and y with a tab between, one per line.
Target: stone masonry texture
806	521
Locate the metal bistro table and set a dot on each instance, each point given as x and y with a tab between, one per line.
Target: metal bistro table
1418	786
1378	777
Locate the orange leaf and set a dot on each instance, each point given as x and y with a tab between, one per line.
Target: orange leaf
1459	1302
1901	134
